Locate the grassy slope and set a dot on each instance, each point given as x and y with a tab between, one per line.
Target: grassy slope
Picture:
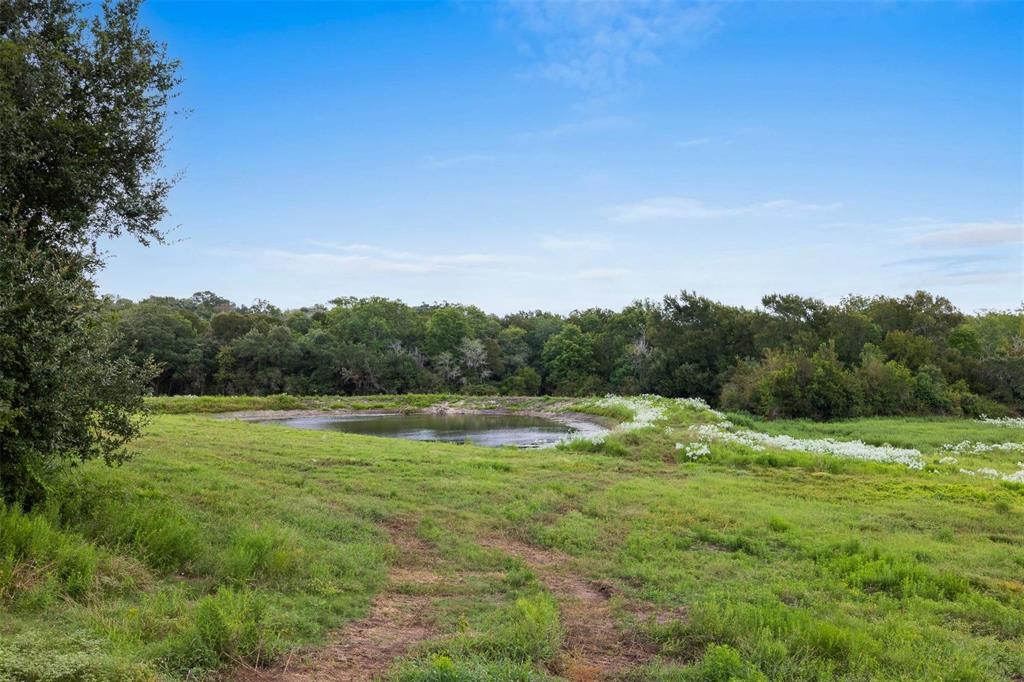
225	541
927	434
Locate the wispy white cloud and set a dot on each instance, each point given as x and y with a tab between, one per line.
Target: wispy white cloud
694	142
686	208
575	243
368	258
441	162
594	45
980	234
962	254
586	126
1009	277
925	277
602	273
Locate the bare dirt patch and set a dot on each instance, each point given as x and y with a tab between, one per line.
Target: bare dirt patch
594	648
363	650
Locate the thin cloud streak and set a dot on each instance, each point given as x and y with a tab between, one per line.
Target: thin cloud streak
694	142
963	254
368	258
574	243
949	260
973	235
686	208
969	279
585	126
442	162
602	273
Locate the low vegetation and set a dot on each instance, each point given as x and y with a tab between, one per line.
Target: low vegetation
226	544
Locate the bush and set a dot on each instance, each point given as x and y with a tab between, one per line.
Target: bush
789	384
887	387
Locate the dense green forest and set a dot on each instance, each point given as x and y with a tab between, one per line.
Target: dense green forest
793	357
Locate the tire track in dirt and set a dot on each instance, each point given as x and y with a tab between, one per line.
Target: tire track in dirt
364	649
594	649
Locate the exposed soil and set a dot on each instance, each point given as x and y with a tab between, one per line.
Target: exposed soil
364	649
594	648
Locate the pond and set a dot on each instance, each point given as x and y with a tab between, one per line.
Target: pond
480	429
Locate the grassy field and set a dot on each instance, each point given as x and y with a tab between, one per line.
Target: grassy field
226	548
928	434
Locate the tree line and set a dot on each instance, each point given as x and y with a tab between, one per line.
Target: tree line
791	357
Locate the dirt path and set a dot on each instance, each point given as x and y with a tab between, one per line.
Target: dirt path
364	649
594	648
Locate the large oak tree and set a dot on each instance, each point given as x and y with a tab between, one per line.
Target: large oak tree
84	95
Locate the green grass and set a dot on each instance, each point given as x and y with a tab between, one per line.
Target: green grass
226	542
927	434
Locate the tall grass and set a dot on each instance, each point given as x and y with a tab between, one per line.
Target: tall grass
39	562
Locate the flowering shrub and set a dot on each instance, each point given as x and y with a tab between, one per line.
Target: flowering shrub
1003	421
645	408
970	447
988	472
694	451
644	411
855	449
699	405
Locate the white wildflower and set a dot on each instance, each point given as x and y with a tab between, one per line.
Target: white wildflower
988	472
1017	422
971	447
855	449
699	405
645	408
694	450
948	460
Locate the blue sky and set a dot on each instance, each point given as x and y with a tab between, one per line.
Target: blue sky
560	156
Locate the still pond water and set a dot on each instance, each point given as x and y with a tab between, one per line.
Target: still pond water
480	429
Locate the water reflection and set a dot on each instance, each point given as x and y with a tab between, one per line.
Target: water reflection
480	429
